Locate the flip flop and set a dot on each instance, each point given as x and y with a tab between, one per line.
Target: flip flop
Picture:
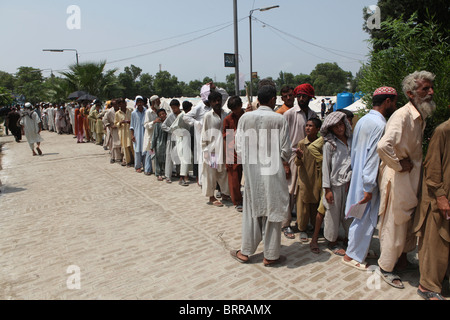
355	264
389	278
428	295
234	253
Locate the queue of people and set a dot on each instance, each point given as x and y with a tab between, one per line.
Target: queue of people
272	162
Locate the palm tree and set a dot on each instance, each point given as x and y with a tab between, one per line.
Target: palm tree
91	77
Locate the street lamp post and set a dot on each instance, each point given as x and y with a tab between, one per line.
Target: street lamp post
251	53
62	50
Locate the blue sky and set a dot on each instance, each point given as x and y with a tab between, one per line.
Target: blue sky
173	33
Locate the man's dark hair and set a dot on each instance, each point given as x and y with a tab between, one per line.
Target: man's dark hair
161	110
266	82
120	100
317	122
174	102
380	98
266	93
234	102
285	89
187	106
214	96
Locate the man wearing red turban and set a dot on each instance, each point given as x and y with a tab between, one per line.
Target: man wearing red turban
296	118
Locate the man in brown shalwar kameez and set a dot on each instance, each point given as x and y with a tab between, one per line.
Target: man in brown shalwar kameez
431	222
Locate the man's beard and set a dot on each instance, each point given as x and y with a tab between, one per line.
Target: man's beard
426	106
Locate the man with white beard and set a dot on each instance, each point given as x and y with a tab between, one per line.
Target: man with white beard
400	151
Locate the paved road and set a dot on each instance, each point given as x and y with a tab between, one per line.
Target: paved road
75	226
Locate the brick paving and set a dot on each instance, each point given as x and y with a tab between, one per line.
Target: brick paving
133	237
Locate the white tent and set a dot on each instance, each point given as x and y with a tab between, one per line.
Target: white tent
356	106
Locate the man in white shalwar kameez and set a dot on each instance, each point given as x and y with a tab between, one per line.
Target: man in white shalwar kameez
32	126
195	118
171	154
364	183
51	118
263	144
150	117
180	131
214	169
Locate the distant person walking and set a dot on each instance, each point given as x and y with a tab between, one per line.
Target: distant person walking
31	125
13	118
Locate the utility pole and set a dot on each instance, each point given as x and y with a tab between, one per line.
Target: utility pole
236	49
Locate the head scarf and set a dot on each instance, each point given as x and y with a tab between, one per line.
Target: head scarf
331	120
204	92
305	88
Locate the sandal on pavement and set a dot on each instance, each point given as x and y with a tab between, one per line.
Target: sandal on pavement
336	249
355	264
216	203
239	208
288	233
234	255
226	198
271	263
314	248
39	151
389	278
303	236
429	295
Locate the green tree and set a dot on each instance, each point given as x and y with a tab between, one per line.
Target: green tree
56	89
26	75
403	10
166	85
410	46
145	85
302	78
285	78
128	80
28	81
7	80
6	97
329	79
94	79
